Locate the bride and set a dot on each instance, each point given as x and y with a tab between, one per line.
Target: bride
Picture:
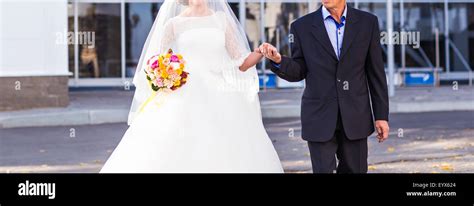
212	124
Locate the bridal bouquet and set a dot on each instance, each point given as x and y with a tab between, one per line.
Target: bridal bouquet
165	72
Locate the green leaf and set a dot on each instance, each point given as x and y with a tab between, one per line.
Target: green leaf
155	88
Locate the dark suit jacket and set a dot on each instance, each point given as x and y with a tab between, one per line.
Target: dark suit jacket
347	85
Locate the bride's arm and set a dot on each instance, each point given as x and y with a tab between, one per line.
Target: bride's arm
237	47
251	60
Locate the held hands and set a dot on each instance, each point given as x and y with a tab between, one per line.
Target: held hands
382	130
270	52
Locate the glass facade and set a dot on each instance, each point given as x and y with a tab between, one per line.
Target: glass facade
278	17
139	20
103	60
121	29
462	34
426	18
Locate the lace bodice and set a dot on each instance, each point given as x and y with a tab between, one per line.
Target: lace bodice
204	39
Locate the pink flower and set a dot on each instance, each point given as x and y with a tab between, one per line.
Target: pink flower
158	82
151	59
154	65
174	58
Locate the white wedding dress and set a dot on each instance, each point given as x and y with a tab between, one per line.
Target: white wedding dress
199	128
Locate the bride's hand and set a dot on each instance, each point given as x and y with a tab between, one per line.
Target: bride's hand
258	50
259	53
251	60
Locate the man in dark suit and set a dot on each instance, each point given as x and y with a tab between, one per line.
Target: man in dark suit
337	51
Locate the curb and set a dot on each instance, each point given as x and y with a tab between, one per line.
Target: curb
409	107
103	116
395	107
65	118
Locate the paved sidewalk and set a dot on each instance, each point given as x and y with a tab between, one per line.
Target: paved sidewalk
111	106
286	103
431	142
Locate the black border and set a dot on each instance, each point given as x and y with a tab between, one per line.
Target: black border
238	186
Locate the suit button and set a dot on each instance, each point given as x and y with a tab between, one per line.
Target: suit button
338	80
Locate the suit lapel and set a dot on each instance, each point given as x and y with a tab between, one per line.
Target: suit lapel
350	31
320	33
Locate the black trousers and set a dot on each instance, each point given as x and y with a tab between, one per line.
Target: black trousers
351	154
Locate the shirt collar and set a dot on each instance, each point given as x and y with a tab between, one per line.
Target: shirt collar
326	13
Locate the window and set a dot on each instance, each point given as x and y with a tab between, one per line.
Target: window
98	23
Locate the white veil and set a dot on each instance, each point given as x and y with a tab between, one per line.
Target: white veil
161	38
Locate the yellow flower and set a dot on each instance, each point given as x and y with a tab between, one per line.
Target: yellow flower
179	71
160	62
168	56
164	74
177	83
179	56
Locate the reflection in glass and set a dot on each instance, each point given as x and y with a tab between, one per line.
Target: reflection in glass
461	33
103	21
104	60
70	14
252	23
278	17
139	20
379	9
235	9
424	18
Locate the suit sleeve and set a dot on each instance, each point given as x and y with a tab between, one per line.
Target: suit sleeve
376	76
292	69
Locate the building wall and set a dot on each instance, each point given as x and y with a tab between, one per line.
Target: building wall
33	55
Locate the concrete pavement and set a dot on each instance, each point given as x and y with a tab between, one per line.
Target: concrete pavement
434	142
91	107
286	103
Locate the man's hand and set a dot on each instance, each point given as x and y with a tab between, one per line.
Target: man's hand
382	130
270	52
